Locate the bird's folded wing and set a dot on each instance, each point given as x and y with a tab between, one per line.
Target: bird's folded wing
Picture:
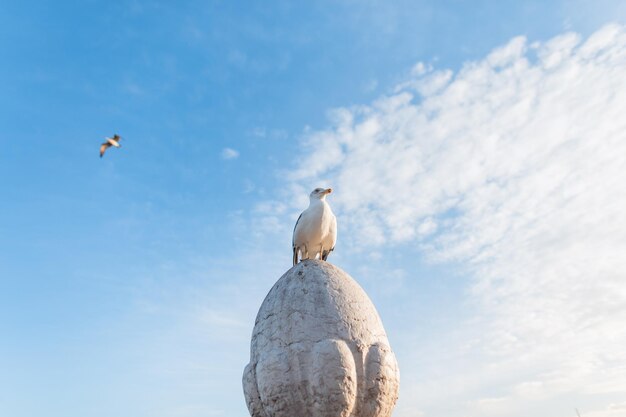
293	237
333	231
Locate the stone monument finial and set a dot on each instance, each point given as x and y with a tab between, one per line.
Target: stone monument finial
319	349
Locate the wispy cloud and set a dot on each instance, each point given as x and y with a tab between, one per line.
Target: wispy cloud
229	153
512	167
265	133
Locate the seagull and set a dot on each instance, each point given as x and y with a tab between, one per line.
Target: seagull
315	231
114	141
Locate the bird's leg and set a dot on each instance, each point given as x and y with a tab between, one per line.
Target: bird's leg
295	255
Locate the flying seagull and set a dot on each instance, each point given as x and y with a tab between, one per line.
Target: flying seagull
114	141
315	232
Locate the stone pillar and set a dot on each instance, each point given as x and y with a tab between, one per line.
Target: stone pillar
319	349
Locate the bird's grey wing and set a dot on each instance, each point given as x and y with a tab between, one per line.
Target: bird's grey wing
103	148
326	253
333	231
293	236
333	234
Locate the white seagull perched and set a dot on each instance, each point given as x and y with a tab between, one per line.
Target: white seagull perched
114	141
315	231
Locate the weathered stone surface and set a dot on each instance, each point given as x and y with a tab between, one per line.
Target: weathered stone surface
319	349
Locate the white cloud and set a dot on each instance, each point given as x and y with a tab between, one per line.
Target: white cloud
229	153
513	167
621	406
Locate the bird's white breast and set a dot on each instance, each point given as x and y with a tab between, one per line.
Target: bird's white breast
315	226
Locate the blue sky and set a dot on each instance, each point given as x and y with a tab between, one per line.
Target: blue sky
474	174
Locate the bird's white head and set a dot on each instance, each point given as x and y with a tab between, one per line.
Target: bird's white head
320	194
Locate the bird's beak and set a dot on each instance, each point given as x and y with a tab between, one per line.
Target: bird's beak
328	191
